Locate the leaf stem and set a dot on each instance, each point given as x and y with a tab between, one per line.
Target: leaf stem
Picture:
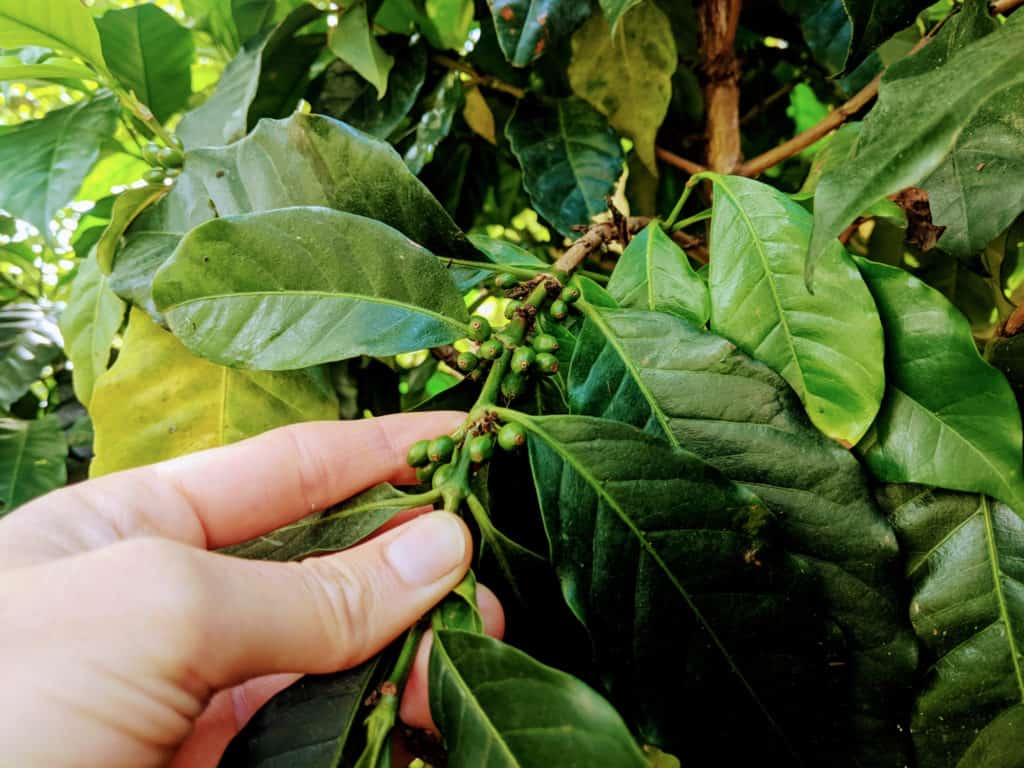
143	113
678	209
690	221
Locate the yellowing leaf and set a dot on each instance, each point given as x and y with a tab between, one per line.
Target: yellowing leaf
627	76
159	401
478	115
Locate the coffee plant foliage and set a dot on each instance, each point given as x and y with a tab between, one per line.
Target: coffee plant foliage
728	292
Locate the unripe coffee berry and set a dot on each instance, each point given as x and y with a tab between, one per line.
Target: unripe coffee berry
481	448
441	449
177	143
547	363
467	361
545	342
154	176
169	157
511	307
423	474
513	385
522	359
512	436
172	173
417	456
570	294
503	281
491	349
442	475
479	328
559	310
151	153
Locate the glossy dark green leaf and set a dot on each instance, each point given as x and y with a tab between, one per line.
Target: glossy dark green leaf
68	139
698	391
459	609
347	96
334	529
29	341
296	287
965	562
826	29
150	54
571	160
909	133
498	708
828	344
653	273
872	22
353	42
303	160
228	113
949	419
496	251
32	457
528	28
435	123
308	724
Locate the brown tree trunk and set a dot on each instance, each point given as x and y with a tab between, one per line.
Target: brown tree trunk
718	22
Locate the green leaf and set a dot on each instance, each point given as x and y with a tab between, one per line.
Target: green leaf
67	139
331	530
571	159
909	134
964	555
872	22
303	160
653	273
828	345
614	10
150	54
158	401
436	122
448	22
497	251
635	93
32	455
64	25
296	287
347	96
228	113
89	323
498	708
698	391
11	68
527	28
459	609
353	42
949	419
127	207
826	29
29	341
307	724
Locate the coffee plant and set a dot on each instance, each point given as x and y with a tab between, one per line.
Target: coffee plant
729	293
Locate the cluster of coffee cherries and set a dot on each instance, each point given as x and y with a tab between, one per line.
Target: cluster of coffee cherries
433	458
166	162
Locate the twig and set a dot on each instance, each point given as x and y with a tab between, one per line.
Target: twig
833	119
681	163
767	101
719	20
477	78
1005	7
597	235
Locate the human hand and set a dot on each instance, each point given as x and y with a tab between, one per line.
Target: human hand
126	643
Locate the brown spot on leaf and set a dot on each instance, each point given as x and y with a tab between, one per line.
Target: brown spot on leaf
538	49
981	167
507	13
920	230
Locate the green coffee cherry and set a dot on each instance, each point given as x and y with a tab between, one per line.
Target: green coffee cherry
504	281
441	449
479	328
417	456
547	363
491	349
570	294
522	359
545	342
172	173
169	157
512	436
443	475
481	448
177	143
476	375
154	176
423	474
151	153
511	307
559	310
513	385
467	361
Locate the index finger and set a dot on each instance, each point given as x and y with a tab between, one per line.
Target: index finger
225	495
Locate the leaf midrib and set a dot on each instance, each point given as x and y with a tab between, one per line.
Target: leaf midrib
997	585
599	489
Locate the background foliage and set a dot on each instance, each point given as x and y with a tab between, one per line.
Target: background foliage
778	471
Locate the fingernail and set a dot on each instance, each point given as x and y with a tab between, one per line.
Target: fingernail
428	549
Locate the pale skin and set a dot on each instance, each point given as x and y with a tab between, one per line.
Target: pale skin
127	643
